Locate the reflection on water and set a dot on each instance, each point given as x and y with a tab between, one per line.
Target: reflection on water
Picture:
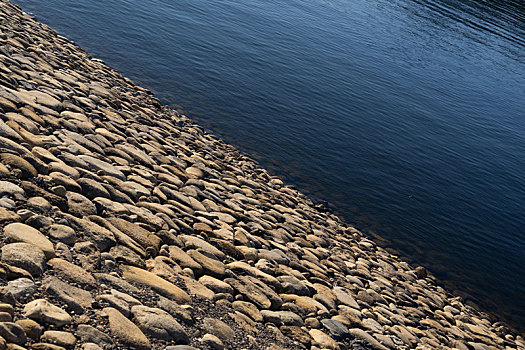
406	115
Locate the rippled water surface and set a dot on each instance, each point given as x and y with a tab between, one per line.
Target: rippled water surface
408	116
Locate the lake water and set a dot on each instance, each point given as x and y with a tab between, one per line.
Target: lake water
407	116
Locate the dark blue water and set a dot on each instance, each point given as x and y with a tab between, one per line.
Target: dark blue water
408	116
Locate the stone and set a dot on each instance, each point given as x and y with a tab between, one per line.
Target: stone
21	288
218	328
251	292
12	333
216	285
8	215
62	233
18	232
76	299
322	339
210	266
282	318
158	324
26	169
46	346
39	203
177	311
59	338
43	310
212	341
337	330
10	189
95	165
248	309
89	334
345	298
31	328
160	285
367	338
79	205
115	302
125	330
91	346
137	233
298	334
72	273
26	256
184	260
192	242
93	189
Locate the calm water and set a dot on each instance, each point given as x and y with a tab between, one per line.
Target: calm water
407	116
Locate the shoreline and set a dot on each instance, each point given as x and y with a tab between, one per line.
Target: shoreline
127	213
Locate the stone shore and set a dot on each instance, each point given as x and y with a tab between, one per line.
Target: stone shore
124	225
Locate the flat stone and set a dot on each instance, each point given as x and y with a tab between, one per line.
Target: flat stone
72	273
251	292
322	339
297	334
160	285
27	170
59	338
218	328
196	288
345	298
337	330
282	318
26	256
371	341
43	310
89	334
192	242
79	205
31	328
8	215
10	189
125	330
21	288
39	203
212	341
179	312
115	302
215	284
92	188
46	346
77	299
158	324
62	233
184	260
12	333
12	145
18	232
137	233
248	309
95	165
210	266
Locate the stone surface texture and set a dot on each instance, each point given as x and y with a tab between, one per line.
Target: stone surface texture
126	225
